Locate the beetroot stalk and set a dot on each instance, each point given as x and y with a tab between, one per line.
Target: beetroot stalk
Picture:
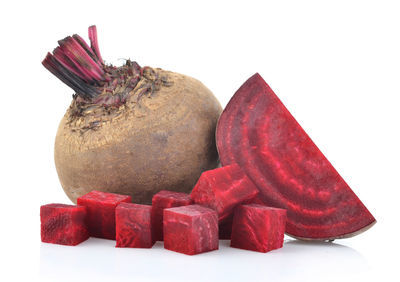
93	42
70	78
82	68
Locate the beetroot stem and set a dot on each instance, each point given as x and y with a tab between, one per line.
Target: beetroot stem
83	89
93	42
78	65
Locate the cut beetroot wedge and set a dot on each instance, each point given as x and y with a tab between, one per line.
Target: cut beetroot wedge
257	132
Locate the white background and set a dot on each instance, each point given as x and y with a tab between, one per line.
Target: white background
335	65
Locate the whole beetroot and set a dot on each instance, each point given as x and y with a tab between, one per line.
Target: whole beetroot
130	130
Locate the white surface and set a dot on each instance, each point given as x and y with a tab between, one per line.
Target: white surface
335	64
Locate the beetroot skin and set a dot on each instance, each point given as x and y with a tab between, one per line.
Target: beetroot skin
190	229
257	132
133	226
63	224
222	189
163	200
101	212
258	228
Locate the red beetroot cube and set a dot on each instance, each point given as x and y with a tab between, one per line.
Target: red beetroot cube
190	229
164	200
133	226
258	228
63	224
222	189
101	212
225	227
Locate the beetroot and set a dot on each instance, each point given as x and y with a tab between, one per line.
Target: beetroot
162	200
63	224
258	228
101	212
222	189
133	226
225	227
190	229
257	132
130	129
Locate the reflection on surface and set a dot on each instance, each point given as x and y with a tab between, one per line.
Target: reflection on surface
99	259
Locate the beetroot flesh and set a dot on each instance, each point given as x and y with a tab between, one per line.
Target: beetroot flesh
222	189
190	229
163	200
225	227
101	212
133	226
258	228
63	224
257	132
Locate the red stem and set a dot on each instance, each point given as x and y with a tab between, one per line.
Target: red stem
78	65
93	42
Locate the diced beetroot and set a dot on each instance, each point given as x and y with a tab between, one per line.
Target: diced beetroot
63	224
225	227
190	229
222	189
258	228
163	200
258	133
101	212
133	226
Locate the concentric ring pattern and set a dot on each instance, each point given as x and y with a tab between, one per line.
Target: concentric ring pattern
257	132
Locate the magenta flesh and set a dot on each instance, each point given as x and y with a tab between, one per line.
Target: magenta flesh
225	227
63	224
190	229
133	226
101	212
257	132
222	189
258	228
163	200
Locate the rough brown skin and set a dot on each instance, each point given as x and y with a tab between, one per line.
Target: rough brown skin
162	141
